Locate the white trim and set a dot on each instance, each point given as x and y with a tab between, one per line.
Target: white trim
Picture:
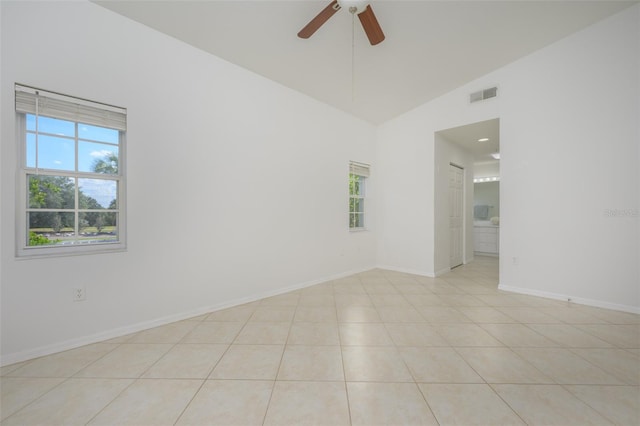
407	271
360	169
572	299
487	254
442	271
145	325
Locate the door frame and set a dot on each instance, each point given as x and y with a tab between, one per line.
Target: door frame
461	211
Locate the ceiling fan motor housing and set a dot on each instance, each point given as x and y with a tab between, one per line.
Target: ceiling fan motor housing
354	6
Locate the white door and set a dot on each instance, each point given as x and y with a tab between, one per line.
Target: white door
456	201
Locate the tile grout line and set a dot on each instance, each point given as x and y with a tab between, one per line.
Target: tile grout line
344	370
275	379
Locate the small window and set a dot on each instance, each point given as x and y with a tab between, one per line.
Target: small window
358	174
72	182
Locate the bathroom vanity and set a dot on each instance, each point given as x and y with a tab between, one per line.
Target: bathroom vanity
486	238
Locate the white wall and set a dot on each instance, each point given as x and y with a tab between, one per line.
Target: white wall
486	169
237	187
568	121
569	155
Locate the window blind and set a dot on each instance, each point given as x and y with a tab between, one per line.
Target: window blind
30	100
360	169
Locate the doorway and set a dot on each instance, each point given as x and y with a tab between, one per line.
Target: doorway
472	149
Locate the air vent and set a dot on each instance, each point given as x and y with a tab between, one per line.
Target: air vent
481	95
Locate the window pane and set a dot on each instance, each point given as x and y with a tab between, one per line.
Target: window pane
56	153
359	220
31	150
101	134
353	183
51	192
356	184
56	126
97	194
31	122
356	220
49	228
98	158
356	205
98	227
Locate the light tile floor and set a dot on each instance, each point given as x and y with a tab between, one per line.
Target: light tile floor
378	347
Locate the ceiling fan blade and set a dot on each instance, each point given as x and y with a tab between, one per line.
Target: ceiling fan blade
319	20
371	26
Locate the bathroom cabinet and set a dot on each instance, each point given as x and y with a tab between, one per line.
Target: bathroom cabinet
486	239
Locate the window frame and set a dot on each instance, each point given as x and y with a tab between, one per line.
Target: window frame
361	170
23	249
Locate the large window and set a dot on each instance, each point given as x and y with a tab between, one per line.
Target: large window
358	174
71	185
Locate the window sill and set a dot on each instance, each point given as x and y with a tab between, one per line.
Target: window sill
47	252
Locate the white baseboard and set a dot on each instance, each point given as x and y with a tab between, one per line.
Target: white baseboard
407	271
573	299
66	345
442	272
482	253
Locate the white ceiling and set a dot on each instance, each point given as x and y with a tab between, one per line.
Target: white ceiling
431	47
467	138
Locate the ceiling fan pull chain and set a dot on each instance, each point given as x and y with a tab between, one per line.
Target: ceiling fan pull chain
353	56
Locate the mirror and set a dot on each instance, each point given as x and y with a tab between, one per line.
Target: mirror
486	200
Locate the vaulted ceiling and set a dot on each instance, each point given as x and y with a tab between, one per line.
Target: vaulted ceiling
431	47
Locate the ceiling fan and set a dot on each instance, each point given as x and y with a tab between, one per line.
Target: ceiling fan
360	8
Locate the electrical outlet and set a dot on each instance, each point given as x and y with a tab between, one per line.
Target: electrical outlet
79	294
